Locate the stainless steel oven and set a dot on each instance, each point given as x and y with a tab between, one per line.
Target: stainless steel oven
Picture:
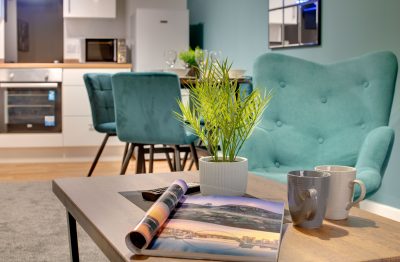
30	100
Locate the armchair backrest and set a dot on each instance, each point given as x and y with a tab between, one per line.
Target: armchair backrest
319	114
144	107
99	88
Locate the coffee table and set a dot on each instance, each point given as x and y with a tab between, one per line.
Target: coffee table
107	216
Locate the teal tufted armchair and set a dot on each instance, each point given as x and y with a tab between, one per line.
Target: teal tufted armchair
324	114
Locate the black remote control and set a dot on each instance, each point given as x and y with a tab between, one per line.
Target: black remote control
154	194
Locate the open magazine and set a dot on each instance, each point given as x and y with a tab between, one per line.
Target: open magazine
209	227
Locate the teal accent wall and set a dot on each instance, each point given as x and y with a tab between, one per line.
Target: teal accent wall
349	28
236	27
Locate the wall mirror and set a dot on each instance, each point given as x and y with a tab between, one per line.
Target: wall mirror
294	23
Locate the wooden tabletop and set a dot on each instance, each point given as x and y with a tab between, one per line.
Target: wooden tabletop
107	217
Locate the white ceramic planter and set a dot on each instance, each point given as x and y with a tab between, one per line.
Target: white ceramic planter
223	178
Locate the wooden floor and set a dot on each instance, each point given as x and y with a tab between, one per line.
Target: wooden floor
49	171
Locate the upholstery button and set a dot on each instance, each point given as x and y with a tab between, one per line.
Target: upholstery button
282	84
320	140
277	164
324	100
366	84
279	123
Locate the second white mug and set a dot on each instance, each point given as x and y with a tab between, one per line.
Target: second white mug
341	190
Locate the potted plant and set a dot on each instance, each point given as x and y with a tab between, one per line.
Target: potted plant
223	118
190	58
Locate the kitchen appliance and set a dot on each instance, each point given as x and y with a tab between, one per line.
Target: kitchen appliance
155	32
30	100
105	50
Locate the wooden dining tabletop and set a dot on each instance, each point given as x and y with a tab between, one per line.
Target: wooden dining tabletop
107	216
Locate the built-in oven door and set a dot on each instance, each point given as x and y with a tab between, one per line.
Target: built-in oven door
30	107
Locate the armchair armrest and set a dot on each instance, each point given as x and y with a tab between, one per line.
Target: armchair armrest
373	157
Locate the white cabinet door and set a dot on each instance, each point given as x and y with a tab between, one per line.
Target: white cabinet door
76	101
90	8
75	76
79	131
75	97
77	120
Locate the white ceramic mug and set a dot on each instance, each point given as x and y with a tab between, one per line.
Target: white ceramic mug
341	190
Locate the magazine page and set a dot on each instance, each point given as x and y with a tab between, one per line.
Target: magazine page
155	217
223	228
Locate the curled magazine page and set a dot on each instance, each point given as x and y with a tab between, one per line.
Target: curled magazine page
155	217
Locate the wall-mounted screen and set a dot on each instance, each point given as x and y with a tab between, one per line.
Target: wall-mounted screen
294	23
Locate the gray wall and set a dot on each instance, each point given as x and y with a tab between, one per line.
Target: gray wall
45	31
349	28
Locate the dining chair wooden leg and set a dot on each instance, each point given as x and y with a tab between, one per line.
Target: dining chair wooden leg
195	157
151	161
127	159
191	164
140	162
167	156
177	158
124	155
185	158
96	159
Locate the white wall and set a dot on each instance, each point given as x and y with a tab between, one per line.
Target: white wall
11	51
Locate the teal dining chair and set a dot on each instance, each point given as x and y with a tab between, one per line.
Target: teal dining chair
144	109
99	89
334	114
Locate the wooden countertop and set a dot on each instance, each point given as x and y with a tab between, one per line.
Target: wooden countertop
64	65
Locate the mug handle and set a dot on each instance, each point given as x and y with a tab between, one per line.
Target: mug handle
312	197
362	195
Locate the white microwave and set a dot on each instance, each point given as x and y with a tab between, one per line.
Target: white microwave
105	50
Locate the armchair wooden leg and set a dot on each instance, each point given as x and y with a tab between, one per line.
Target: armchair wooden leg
96	159
151	161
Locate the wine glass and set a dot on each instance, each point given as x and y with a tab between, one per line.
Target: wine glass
215	56
170	58
201	58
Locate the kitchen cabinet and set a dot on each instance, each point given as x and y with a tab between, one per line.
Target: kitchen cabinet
78	127
90	8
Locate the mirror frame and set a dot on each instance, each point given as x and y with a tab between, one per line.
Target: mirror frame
281	32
